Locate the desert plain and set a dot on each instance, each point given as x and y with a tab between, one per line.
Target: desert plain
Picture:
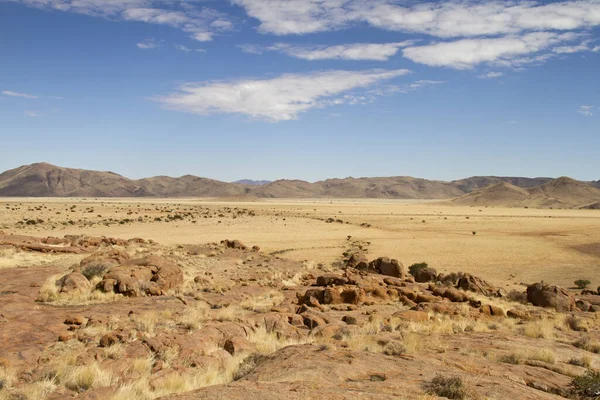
117	298
506	245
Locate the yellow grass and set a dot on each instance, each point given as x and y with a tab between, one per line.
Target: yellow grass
49	293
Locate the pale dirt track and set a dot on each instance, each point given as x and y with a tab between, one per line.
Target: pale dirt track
510	245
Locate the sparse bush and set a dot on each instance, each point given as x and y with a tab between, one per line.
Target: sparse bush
519	297
585	361
587	386
413	269
93	270
450	388
587	344
576	324
582	283
512	358
394	348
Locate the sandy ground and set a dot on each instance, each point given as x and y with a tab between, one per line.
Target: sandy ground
510	245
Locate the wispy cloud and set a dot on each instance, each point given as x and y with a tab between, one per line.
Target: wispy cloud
509	51
354	51
16	94
277	99
586	111
148	44
440	19
201	23
491	75
506	34
186	49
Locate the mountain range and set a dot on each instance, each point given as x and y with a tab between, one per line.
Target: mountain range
46	180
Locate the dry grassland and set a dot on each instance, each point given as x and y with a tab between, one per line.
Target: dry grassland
506	245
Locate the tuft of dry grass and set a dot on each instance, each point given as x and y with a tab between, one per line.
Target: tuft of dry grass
587	344
546	355
264	302
585	361
49	293
269	342
576	324
540	329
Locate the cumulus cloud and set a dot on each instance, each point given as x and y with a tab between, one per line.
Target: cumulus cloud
278	99
201	23
586	111
355	51
16	94
441	19
509	51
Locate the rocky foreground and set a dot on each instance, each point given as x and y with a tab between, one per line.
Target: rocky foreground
103	318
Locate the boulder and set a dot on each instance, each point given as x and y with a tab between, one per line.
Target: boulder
353	295
476	285
492	311
518	314
358	261
109	258
387	266
331	280
332	296
233	244
149	276
313	319
455	295
550	296
238	345
426	275
73	282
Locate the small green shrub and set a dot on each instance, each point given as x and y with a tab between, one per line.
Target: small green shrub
582	283
413	269
587	386
450	388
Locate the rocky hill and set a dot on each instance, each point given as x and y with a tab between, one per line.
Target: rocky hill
559	193
46	180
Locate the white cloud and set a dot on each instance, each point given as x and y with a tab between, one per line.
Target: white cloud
388	90
441	19
491	75
278	99
586	111
583	46
596	49
507	51
504	33
147	44
16	94
186	49
355	51
201	23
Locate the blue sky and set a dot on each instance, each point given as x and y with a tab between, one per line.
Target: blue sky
307	89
